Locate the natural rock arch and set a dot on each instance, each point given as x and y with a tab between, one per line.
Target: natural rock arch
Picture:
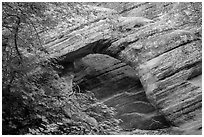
117	85
166	54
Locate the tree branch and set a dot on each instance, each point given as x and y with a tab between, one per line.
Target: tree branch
16	36
16	29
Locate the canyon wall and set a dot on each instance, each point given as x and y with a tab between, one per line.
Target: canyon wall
155	68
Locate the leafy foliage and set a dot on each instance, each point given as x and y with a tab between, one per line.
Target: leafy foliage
35	99
44	105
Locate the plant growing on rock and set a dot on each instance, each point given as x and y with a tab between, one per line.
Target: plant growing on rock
35	99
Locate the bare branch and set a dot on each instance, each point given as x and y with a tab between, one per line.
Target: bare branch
16	36
16	29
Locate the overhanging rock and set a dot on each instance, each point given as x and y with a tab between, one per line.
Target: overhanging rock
166	53
117	85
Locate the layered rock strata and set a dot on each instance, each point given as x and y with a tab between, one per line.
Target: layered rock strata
117	85
168	58
164	50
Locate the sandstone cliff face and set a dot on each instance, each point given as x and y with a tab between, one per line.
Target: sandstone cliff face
169	58
117	85
162	42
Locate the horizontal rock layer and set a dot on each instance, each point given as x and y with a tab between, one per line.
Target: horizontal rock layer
163	44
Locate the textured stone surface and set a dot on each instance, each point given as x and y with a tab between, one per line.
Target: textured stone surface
171	81
117	85
170	68
102	73
168	53
165	51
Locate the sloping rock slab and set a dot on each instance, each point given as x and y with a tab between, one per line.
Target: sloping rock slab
87	39
172	82
170	72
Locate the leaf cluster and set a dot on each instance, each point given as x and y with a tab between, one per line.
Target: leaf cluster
35	100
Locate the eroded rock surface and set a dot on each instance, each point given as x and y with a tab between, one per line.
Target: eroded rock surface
169	57
164	50
117	85
172	80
